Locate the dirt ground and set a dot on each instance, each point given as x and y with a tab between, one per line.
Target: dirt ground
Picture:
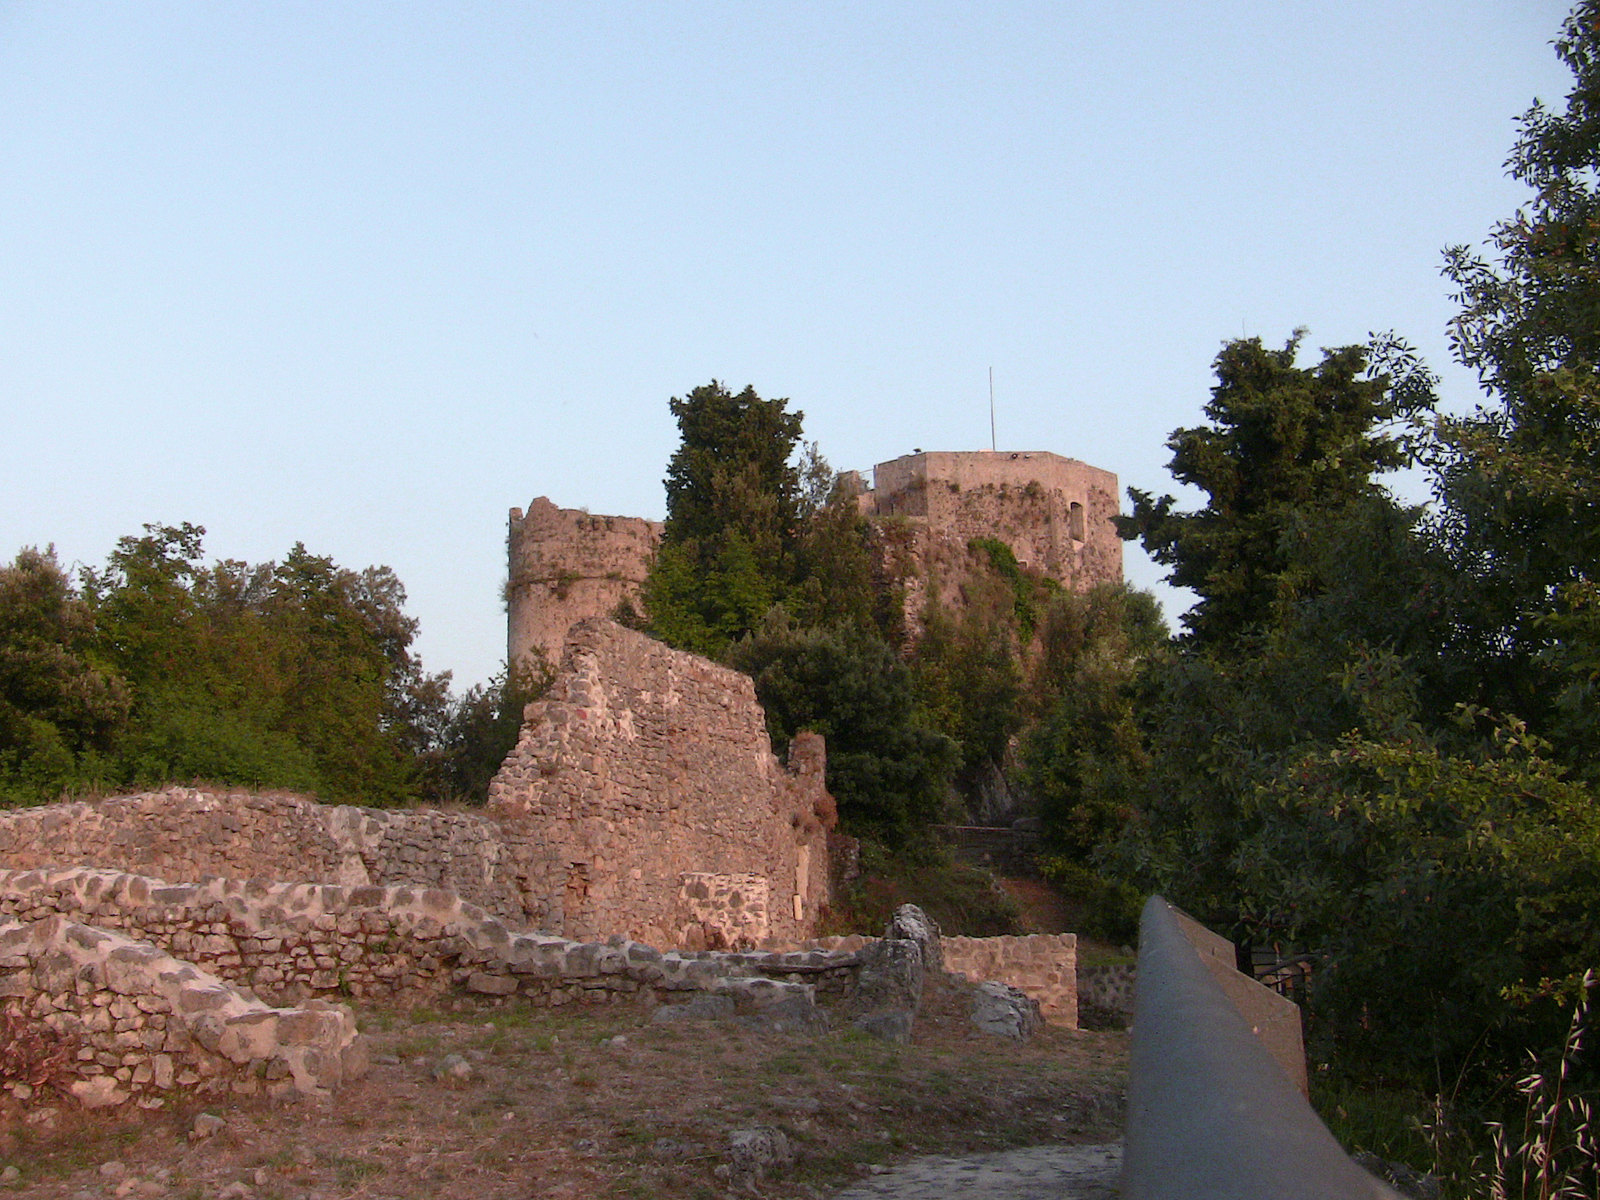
488	1101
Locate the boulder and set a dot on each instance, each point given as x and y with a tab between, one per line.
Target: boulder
910	923
1003	1011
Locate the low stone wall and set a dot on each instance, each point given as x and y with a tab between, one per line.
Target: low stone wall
1041	965
188	833
1107	987
288	941
139	1024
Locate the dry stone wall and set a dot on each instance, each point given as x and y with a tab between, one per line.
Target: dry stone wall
289	942
138	1024
643	798
187	833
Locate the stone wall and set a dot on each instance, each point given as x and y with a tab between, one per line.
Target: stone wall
1041	965
566	565
139	1024
186	833
643	798
288	942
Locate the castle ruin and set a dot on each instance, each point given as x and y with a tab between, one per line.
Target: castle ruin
566	565
1055	513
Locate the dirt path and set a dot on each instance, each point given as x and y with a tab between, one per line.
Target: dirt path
490	1103
1035	1173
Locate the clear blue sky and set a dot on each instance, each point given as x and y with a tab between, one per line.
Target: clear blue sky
368	275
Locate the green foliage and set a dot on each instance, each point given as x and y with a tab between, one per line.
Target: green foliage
733	514
887	769
59	701
1452	892
1084	759
1284	442
1520	479
296	675
968	679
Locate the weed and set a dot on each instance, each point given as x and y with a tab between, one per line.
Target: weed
1558	1152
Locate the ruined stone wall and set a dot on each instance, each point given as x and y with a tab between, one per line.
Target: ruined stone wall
1055	513
644	799
288	942
138	1024
184	834
566	565
1042	965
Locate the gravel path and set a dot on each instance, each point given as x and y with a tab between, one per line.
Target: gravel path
1038	1173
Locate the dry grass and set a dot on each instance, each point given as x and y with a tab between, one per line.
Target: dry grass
601	1103
1557	1155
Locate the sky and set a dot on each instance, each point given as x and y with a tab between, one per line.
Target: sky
366	276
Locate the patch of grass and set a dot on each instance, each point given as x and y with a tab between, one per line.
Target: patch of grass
1373	1117
965	900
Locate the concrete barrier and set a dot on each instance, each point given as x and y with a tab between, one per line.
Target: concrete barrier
1211	1112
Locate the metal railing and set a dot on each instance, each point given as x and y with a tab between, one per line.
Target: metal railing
1212	1115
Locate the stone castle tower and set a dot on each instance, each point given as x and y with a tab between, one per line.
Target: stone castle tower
1054	512
566	566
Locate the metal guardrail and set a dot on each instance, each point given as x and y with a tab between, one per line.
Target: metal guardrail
1211	1114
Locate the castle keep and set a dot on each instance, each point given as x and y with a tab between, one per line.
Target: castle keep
1054	512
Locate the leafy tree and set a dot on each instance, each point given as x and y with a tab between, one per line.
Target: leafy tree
837	576
60	704
887	769
1520	478
734	470
967	675
733	514
1284	443
1083	760
294	675
1452	890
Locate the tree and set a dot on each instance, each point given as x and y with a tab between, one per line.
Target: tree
887	769
294	675
60	704
733	513
1284	442
1519	480
1082	761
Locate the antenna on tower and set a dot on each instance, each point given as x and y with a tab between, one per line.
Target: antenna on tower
992	444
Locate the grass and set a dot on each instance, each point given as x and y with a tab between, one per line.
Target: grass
1547	1147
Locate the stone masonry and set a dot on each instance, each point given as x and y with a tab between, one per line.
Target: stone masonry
644	799
1055	513
565	565
137	1023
